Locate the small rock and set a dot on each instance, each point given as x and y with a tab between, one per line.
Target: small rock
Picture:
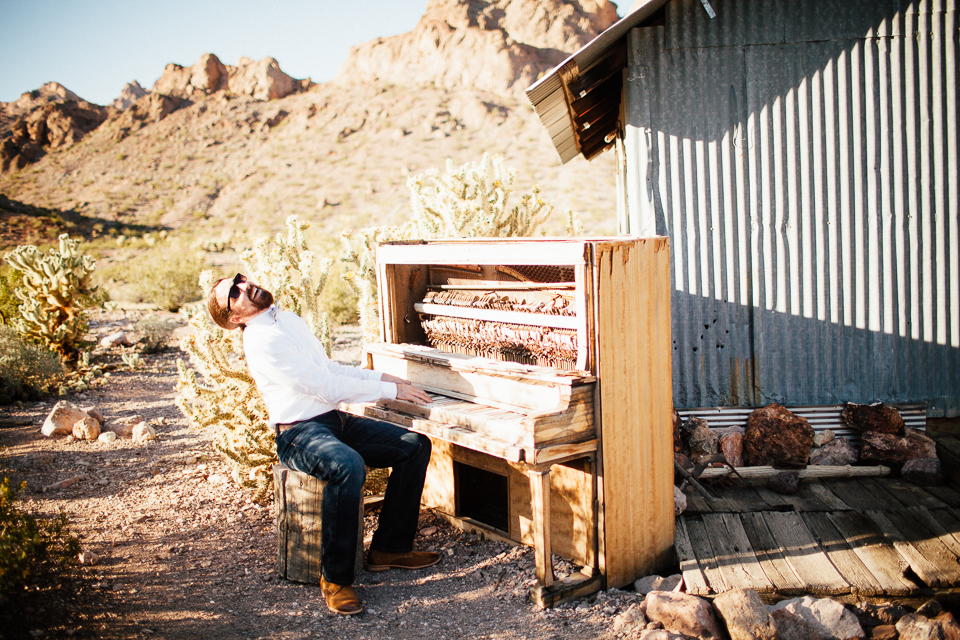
916	627
871	615
86	429
703	442
785	482
679	501
927	472
884	632
63	484
831	616
823	437
428	531
115	339
88	558
630	619
930	609
894	450
41	458
731	444
94	413
838	452
107	437
659	634
69	438
216	478
683	613
949	626
143	432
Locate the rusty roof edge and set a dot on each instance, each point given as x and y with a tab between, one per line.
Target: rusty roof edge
552	85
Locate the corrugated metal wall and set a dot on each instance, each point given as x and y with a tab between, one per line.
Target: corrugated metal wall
802	157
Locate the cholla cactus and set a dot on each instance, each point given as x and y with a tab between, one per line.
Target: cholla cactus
360	251
472	202
223	397
55	293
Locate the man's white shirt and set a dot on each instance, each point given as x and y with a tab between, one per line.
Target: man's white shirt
294	374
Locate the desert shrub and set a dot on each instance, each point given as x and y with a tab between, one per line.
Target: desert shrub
223	397
10	281
28	544
27	370
154	333
168	281
54	295
471	201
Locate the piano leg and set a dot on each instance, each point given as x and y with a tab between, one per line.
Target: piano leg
540	492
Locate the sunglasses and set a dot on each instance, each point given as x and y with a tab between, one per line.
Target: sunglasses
235	289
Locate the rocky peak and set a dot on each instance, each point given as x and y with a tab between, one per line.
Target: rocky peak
492	45
128	95
261	80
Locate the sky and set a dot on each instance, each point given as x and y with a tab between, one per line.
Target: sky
95	47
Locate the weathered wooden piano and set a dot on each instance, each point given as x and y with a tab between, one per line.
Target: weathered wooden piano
549	362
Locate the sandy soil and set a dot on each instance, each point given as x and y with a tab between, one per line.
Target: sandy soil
184	553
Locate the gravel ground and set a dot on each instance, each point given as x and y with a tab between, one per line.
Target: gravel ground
184	553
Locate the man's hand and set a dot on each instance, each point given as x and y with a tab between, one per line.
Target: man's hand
410	393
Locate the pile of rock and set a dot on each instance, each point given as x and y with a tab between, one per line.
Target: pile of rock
89	423
666	613
777	437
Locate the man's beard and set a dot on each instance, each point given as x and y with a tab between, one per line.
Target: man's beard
261	298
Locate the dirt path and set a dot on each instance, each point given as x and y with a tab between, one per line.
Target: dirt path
185	553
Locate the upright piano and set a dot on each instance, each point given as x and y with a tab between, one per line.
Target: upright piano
549	365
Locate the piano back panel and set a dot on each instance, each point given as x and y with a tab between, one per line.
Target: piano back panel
636	400
571	526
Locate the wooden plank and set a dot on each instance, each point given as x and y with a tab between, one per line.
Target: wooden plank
824	495
735	557
930	560
880	488
862	582
703	549
526	251
770	556
634	367
946	494
929	544
693	579
935	524
809	472
737	499
852	493
949	443
772	498
876	553
912	495
540	501
807	558
695	502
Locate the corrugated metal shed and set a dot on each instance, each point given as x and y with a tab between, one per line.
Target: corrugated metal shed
802	157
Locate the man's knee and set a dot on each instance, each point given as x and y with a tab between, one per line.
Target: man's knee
348	469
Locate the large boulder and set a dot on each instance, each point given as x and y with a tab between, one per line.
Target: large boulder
261	80
886	448
746	616
684	614
872	418
777	437
61	419
130	93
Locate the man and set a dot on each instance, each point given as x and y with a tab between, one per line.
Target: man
302	388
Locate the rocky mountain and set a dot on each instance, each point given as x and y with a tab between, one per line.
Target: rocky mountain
223	153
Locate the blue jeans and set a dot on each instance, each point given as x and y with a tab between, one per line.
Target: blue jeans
336	447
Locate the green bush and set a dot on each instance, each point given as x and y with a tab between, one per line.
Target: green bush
155	333
10	280
165	277
29	545
27	370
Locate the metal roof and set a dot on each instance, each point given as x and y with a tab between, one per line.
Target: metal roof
579	101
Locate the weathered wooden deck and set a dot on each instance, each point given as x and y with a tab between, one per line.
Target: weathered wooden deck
863	536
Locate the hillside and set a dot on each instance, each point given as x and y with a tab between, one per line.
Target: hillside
222	153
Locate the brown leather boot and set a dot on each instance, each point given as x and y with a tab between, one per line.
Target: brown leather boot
340	599
381	561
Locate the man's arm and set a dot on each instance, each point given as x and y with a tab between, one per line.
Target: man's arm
406	391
